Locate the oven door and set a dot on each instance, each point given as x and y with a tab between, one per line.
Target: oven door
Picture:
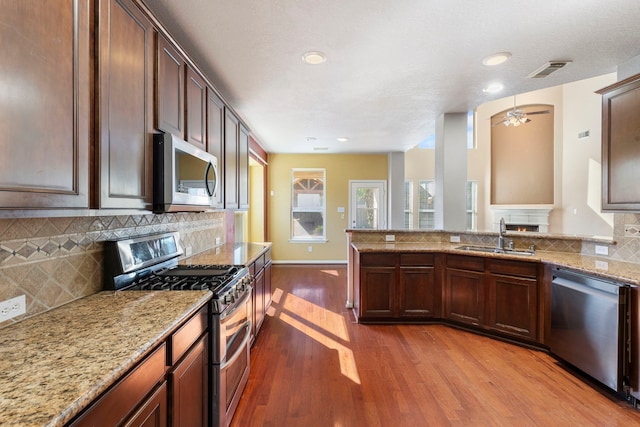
231	372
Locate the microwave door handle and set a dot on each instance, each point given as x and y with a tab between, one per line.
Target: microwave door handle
210	192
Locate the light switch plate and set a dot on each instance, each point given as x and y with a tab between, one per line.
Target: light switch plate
390	238
454	239
602	250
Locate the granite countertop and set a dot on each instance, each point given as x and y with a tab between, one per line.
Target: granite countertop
600	266
54	364
229	253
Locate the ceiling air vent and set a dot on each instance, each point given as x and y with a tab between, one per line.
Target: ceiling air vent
547	69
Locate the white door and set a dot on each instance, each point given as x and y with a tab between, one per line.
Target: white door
368	204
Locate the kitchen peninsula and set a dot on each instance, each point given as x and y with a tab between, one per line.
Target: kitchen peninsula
438	277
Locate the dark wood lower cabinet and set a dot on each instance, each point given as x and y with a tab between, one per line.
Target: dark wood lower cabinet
260	269
498	296
396	286
153	412
170	386
464	293
189	386
377	292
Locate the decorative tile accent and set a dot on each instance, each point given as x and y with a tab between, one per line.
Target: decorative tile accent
53	261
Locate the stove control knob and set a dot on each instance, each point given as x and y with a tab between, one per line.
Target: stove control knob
228	298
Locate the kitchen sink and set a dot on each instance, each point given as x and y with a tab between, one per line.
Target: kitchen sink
496	250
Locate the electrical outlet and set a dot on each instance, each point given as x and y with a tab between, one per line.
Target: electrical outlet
390	238
454	239
602	250
188	251
12	307
310	248
218	241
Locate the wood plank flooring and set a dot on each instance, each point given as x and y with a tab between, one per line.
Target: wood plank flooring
313	366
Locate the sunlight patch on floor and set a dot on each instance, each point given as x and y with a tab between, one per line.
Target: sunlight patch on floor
322	318
333	273
318	323
348	366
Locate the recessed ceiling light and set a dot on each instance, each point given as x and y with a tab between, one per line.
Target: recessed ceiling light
320	148
496	58
342	139
314	57
310	138
493	88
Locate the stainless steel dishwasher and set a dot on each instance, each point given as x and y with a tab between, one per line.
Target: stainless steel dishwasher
590	326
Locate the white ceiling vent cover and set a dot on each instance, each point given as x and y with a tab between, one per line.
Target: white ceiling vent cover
547	69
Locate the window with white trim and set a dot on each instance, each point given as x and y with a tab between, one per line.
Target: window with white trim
426	213
308	205
472	205
408	204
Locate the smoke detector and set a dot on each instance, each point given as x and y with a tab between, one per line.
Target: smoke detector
547	69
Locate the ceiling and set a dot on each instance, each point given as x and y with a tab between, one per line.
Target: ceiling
392	66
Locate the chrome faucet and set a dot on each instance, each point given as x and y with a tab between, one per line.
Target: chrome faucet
502	240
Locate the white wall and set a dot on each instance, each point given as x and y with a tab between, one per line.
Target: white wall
581	173
577	162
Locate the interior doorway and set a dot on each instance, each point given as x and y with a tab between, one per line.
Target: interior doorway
368	204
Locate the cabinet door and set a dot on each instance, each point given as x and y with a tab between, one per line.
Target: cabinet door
196	111
125	88
377	292
230	160
243	168
153	412
215	139
464	296
259	300
512	305
189	386
620	147
45	108
170	89
417	292
267	285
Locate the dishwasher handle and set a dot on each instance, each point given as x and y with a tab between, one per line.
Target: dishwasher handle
612	293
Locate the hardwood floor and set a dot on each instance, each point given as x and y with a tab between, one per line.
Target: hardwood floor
313	366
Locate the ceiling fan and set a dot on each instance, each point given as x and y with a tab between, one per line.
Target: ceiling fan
517	117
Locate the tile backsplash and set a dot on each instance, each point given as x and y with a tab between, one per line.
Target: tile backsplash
53	261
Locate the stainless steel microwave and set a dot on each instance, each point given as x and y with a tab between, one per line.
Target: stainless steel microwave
185	178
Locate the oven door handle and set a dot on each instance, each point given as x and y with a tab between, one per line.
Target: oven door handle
238	352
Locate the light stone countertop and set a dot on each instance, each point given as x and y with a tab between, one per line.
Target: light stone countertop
600	266
54	364
229	253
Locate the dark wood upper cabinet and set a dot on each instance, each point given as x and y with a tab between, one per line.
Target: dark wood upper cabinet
243	168
196	111
231	129
621	145
170	79
125	76
215	139
45	112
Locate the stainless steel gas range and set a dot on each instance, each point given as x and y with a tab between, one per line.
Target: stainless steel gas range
150	263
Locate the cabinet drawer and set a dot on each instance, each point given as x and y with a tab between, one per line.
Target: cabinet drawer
465	262
183	338
512	268
417	259
378	259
